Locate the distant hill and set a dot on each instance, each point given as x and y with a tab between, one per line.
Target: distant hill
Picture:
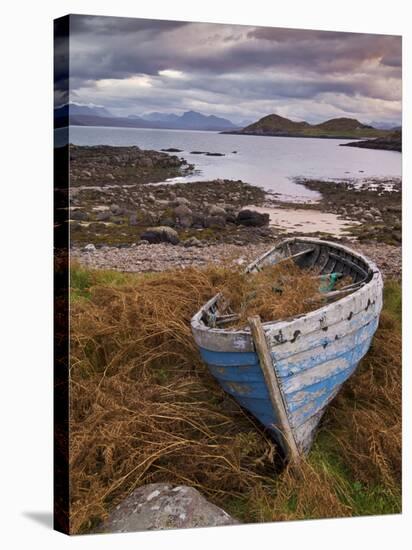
197	121
115	122
391	142
84	110
386	126
343	128
190	120
275	125
342	125
159	117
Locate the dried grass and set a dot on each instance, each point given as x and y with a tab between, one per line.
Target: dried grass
276	292
145	409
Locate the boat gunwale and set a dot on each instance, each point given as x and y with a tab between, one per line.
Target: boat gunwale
244	334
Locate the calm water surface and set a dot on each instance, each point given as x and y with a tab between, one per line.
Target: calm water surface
270	162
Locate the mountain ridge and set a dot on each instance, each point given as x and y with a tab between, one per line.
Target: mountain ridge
82	115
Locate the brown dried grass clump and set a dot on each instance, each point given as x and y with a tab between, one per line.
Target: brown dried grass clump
143	407
276	292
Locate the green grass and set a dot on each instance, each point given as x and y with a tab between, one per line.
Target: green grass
363	499
393	299
82	279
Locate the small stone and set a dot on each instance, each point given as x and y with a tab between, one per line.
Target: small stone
116	210
103	216
214	221
217	211
192	241
79	215
182	201
90	247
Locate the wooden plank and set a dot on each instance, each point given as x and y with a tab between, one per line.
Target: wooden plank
276	398
296	256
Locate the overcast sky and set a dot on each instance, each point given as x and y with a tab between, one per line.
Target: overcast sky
134	66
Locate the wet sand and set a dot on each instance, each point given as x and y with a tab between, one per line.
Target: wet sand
292	220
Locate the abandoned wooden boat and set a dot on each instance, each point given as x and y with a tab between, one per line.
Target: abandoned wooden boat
285	372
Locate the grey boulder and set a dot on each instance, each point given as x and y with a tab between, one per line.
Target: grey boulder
184	216
160	506
160	234
252	218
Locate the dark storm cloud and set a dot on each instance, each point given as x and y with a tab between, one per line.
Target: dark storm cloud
224	63
113	26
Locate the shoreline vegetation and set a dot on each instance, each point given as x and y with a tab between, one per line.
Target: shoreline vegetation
123	218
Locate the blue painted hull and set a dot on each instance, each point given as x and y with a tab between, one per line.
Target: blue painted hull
240	375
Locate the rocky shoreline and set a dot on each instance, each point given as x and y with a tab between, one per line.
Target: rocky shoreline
105	165
161	257
120	218
393	142
375	204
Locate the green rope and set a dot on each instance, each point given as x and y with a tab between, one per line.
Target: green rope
329	281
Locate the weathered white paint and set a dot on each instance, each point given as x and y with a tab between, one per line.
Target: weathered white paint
305	433
315	339
296	362
309	410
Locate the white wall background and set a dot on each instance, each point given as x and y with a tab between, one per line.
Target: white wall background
26	270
